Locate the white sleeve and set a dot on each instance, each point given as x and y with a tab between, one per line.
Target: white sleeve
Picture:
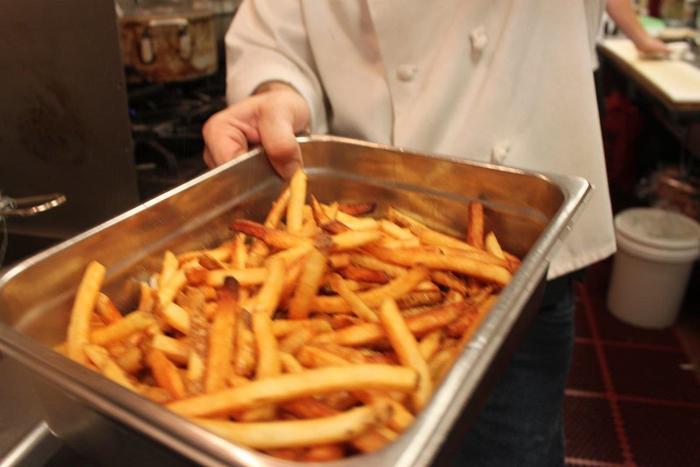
267	41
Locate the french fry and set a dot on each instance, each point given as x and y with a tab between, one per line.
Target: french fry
269	363
170	265
106	309
356	223
168	291
176	350
296	340
131	360
279	207
177	317
308	284
292	386
371	262
419	298
146	298
221	338
359	273
166	374
406	348
367	333
290	364
279	434
283	327
323	453
461	324
297	197
449	280
108	367
83	306
269	295
132	323
216	278
355	302
430	344
445	260
475	227
272	237
350	240
244	359
373	298
492	246
481	312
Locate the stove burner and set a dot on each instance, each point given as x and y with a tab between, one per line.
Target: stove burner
166	126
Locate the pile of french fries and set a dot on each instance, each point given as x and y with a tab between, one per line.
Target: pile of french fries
318	334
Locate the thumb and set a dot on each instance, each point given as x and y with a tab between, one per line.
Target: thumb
277	137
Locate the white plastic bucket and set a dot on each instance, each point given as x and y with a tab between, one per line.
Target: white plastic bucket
656	251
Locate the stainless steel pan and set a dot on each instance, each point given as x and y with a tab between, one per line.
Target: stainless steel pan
529	212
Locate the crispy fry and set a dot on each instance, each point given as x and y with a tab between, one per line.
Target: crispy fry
146	299
419	298
170	265
461	324
166	374
447	279
244	359
482	310
324	453
283	327
108	367
359	273
291	386
177	317
267	348
279	207
106	309
132	323
374	297
395	231
221	338
272	237
271	435
296	340
83	306
356	223
176	350
131	360
216	278
446	260
366	333
492	246
430	344
168	291
297	197
290	364
371	262
406	348
309	282
355	302
475	227
351	240
269	295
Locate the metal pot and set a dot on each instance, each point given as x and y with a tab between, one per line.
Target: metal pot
166	44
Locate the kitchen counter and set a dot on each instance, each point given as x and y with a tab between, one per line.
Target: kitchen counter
675	83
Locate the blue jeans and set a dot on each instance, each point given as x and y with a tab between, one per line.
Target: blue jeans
521	423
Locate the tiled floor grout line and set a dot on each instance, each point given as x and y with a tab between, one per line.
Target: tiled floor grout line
571	392
613	402
580	461
630	345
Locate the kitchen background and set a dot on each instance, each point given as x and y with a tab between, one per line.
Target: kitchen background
105	102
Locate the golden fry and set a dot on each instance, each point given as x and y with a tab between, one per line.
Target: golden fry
355	302
475	227
308	284
269	295
83	306
132	323
221	338
174	349
283	327
291	386
406	348
279	434
166	374
244	359
297	198
106	309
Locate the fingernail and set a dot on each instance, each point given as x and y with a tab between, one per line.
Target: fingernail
287	169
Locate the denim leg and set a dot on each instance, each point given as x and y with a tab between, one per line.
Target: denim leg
521	424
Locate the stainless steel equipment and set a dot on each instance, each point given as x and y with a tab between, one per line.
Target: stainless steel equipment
64	125
529	212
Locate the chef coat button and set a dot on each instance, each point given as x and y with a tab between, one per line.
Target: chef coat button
499	152
478	38
406	72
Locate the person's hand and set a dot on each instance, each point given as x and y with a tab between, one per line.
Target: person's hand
271	117
650	46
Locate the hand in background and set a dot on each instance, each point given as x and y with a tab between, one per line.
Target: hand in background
271	117
651	46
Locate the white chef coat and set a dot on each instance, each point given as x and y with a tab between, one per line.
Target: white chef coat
504	81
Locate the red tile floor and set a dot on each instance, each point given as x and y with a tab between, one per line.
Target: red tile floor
632	397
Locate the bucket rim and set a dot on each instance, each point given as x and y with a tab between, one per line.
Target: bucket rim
625	227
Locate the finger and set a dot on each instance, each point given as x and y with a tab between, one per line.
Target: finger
277	135
208	160
223	139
